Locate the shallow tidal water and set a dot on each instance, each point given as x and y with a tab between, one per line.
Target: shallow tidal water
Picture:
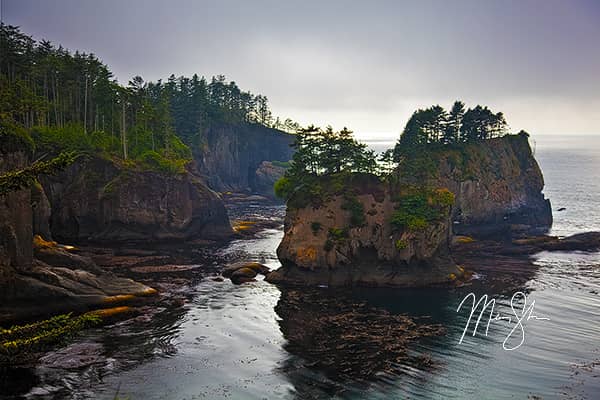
226	341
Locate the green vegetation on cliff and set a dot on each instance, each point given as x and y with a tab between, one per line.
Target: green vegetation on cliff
27	177
71	102
419	207
14	138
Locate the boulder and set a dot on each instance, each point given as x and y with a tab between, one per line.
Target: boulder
258	268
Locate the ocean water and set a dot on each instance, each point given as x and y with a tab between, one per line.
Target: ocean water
227	341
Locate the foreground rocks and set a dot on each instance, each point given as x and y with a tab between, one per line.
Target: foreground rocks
70	283
39	277
242	272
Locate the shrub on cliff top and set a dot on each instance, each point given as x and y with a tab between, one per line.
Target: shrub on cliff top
322	153
156	162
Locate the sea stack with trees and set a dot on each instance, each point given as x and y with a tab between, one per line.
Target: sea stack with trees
352	221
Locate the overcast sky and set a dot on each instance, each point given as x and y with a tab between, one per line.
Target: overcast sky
362	64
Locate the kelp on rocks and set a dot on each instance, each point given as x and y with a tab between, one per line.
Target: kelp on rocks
20	343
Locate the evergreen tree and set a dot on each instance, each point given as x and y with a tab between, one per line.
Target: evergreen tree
453	126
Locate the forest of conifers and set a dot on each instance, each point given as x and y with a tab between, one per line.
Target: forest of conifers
71	100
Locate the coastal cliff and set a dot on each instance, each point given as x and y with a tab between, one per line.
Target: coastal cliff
38	276
348	240
497	185
398	232
16	215
101	200
230	156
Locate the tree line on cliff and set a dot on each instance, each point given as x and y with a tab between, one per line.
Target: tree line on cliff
325	152
434	126
71	100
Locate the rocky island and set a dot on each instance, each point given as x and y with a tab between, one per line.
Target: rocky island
347	227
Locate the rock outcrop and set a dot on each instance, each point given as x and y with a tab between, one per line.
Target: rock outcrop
30	287
16	216
99	200
496	186
322	246
266	175
230	155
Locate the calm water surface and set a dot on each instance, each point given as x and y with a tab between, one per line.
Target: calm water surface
226	341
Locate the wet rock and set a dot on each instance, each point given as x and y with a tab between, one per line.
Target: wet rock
256	267
244	273
74	356
238	280
588	241
155	269
53	254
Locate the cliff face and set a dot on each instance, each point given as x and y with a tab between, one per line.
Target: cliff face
28	286
322	246
230	155
497	190
497	185
99	200
15	220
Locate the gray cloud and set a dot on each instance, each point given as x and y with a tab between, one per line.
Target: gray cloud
366	65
